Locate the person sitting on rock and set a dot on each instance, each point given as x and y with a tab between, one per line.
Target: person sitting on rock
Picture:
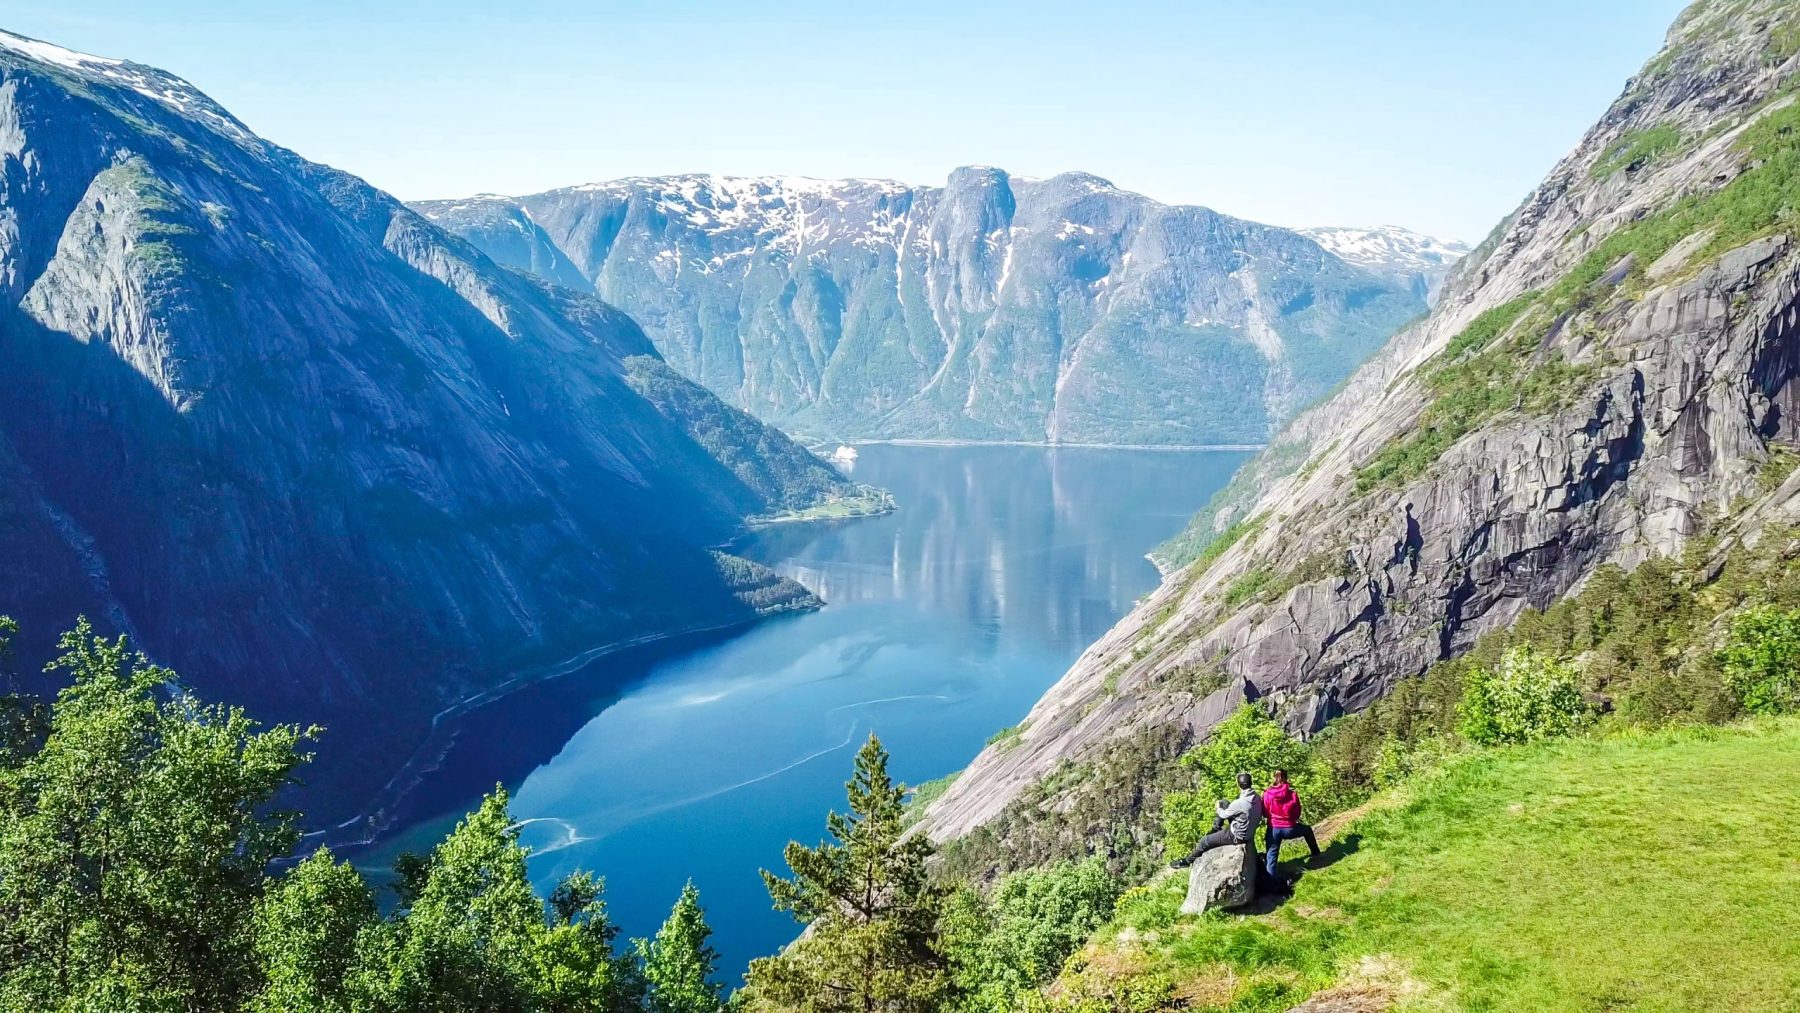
1236	822
1283	807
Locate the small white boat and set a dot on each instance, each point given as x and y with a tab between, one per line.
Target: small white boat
844	455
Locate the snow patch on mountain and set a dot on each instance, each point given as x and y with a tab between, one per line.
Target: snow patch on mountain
1394	252
159	85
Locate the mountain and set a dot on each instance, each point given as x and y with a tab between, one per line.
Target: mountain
995	307
315	453
1608	379
1419	262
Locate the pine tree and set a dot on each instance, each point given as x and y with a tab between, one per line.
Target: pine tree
870	908
678	963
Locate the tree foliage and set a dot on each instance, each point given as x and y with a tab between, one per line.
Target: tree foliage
1530	696
870	909
679	963
133	842
138	834
1003	947
1762	660
1249	740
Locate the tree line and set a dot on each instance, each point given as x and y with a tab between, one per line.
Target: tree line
147	866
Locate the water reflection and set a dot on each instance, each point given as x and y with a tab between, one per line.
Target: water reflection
946	621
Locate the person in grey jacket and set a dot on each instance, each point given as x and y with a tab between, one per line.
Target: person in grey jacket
1236	823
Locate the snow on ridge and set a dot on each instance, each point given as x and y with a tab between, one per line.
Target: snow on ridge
45	52
163	87
1385	245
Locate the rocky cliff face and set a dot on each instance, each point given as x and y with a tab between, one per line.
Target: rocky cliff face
1611	370
314	453
994	307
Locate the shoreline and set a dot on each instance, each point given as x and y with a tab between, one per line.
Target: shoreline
1048	445
365	828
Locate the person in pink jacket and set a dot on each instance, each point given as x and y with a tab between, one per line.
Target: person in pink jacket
1283	809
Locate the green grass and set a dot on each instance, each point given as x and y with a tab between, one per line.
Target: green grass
1638	146
1652	871
865	501
926	793
1469	389
1007	738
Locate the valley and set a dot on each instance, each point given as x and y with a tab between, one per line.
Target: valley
479	604
947	619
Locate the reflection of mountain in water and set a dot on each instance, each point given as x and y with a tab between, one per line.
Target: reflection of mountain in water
997	535
945	620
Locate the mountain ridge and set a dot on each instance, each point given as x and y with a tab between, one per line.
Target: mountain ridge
318	455
1001	308
1605	377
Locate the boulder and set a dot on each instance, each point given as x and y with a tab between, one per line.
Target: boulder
1223	877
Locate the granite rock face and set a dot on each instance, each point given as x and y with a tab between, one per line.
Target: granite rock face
316	454
993	307
1649	398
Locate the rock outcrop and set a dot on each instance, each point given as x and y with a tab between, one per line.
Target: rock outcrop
993	307
1611	369
317	455
1221	878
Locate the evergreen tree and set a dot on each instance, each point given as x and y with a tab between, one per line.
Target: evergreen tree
476	938
871	911
678	963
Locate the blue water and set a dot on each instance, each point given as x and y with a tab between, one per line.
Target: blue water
945	622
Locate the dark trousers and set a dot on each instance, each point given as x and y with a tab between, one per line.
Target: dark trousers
1276	835
1219	837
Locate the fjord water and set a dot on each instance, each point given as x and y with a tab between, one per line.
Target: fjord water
945	622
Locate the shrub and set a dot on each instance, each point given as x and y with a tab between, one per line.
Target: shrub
1003	948
1762	660
1248	740
1530	697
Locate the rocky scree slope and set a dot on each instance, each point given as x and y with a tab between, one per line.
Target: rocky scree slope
1611	371
314	453
994	307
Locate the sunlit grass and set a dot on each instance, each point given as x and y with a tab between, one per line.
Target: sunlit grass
1653	872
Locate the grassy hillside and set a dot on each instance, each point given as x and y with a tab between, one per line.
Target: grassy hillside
1652	871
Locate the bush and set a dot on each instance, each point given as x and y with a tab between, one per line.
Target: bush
1399	760
1248	740
1004	947
1762	660
1532	696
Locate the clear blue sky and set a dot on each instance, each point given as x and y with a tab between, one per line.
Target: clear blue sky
1431	114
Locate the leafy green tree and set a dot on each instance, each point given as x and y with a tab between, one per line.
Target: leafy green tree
679	963
1762	660
1530	696
307	931
870	909
1004	947
476	938
23	720
133	842
1247	740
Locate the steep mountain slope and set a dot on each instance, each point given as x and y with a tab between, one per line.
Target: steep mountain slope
994	307
315	453
1608	374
